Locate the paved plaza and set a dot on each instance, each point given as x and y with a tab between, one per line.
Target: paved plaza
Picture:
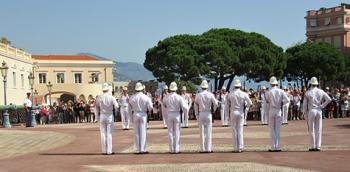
76	147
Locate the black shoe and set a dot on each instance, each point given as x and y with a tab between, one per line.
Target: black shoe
245	125
318	149
145	152
137	153
278	150
311	150
270	150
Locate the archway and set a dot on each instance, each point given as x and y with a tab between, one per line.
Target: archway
60	96
67	97
82	98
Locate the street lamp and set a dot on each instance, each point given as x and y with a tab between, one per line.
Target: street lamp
31	84
6	120
49	88
36	93
114	115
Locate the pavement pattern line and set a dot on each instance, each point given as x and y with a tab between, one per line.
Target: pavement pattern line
192	148
194	167
15	143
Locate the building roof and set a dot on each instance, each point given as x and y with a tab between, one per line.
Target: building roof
63	57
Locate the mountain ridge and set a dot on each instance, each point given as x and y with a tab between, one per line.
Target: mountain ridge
126	71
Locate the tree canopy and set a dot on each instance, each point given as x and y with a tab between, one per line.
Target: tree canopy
315	59
220	54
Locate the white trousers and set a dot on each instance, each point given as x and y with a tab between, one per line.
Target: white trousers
264	114
106	129
237	129
164	116
205	130
246	115
185	118
285	109
125	117
315	128
174	131
224	117
275	122
140	129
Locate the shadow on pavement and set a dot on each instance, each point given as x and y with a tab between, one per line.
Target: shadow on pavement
344	126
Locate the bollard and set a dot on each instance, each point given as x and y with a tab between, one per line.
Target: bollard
6	122
33	118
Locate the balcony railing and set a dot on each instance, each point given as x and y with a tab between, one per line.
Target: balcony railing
14	52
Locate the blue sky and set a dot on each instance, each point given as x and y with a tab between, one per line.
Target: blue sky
124	29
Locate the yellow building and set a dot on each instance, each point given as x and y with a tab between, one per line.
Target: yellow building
72	77
19	65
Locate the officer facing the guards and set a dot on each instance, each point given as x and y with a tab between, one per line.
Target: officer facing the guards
275	99
124	103
139	104
188	100
263	108
204	103
234	106
222	99
314	101
174	104
104	114
163	108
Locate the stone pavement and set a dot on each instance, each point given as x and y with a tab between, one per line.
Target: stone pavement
76	147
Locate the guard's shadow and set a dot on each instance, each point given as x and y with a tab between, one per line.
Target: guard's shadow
164	153
344	126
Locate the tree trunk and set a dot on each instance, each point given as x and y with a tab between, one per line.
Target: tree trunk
215	83
230	82
221	81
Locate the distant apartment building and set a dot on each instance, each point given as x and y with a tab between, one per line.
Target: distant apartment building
73	77
331	25
19	65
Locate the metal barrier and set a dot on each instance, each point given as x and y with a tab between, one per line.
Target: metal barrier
16	113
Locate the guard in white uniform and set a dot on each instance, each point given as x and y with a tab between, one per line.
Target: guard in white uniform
163	108
263	104
139	104
204	103
174	104
246	110
285	108
104	114
234	106
275	99
222	99
124	102
314	101
188	100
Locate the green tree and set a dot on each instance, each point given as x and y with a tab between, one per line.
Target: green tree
314	59
253	55
174	59
4	40
219	54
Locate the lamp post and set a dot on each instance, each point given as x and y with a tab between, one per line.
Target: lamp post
6	119
31	84
49	88
36	93
114	115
